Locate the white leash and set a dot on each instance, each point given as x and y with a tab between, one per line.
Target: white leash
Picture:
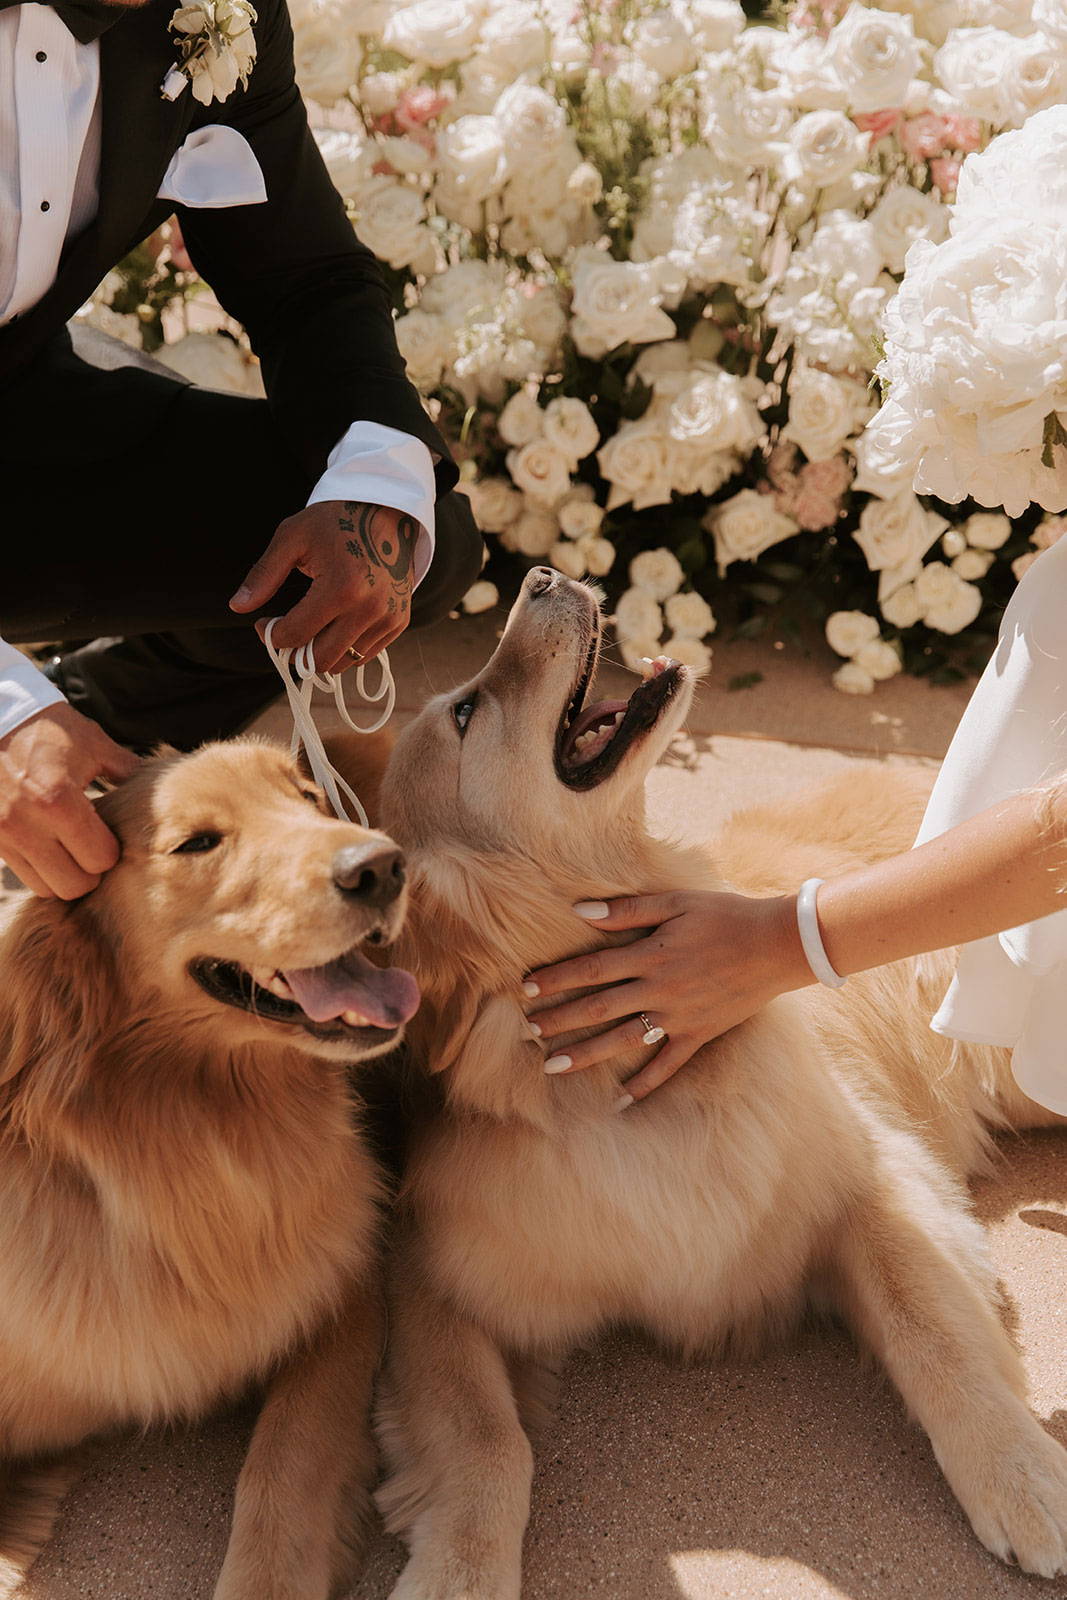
297	671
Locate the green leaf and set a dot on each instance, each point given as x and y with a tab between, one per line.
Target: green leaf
753	628
745	680
693	555
782	571
767	594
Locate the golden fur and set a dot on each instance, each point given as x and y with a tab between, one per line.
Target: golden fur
186	1204
815	1151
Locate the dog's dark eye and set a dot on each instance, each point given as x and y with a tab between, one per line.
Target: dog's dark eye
313	795
463	711
197	844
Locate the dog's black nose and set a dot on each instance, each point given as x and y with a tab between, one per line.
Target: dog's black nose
371	873
539	580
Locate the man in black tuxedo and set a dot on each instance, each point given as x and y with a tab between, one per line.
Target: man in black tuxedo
134	504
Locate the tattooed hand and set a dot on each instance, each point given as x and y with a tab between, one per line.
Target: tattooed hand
360	560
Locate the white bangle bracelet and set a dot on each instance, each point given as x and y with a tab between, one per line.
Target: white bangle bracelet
811	937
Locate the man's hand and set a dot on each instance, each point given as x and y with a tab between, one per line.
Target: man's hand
50	835
360	560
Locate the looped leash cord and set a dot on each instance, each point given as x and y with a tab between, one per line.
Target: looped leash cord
297	671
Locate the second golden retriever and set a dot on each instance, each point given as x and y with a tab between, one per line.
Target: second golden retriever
816	1150
186	1203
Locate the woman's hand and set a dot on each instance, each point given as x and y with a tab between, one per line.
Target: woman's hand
708	961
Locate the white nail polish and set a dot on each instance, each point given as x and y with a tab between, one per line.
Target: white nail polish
531	990
623	1102
591	910
534	1029
557	1064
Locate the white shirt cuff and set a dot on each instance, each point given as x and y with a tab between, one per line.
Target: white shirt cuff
23	690
381	466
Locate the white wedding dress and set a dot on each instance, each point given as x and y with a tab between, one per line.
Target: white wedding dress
1012	989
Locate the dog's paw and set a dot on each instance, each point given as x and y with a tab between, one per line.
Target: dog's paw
1017	1502
438	1577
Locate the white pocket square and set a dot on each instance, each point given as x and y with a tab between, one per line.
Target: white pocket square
214	167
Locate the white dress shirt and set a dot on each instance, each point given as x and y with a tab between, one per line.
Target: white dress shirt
49	171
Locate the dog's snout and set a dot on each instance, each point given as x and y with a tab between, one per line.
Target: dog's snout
540	580
372	873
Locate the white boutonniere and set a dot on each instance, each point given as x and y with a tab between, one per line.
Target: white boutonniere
217	48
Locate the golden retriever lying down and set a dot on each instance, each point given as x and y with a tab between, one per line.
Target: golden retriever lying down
186	1204
814	1151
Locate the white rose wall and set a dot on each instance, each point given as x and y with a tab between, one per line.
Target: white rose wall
646	261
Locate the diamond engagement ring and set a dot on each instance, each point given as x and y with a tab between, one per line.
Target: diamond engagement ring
652	1034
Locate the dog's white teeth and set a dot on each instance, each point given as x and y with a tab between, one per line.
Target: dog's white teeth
355	1019
618	717
276	984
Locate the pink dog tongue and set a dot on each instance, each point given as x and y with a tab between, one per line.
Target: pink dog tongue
386	996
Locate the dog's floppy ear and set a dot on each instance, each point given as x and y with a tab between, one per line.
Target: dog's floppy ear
57	994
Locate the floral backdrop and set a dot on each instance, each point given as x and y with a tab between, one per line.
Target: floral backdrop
641	253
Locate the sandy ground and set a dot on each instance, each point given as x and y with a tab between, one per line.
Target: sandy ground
796	1477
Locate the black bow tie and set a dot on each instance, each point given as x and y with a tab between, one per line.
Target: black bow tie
86	19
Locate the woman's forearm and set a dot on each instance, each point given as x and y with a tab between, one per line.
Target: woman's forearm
1004	867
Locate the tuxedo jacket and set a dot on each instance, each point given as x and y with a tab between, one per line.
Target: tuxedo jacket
310	296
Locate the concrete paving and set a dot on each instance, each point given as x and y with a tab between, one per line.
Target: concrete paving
795	1477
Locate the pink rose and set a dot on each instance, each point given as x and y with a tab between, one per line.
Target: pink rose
419	105
945	172
830	477
924	136
963	133
877	123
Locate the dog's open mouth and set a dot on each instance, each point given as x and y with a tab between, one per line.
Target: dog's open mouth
346	999
592	739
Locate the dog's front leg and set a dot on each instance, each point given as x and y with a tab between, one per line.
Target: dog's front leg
917	1286
461	1464
303	1503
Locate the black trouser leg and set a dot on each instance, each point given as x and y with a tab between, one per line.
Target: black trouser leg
140	553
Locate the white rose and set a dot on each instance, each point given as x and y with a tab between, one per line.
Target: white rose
948	603
953	544
636	463
568	558
579	515
713	409
690	652
379	92
495	503
824	411
971	67
662	42
852	679
347	159
403	154
638	616
542	318
472	157
569	425
540	471
1050	16
848	631
894	535
481	596
875	56
689	616
616	302
434	32
824	147
327	53
973	564
513	39
1036	72
533	124
904	215
883	468
521	420
533	533
1025	167
213	361
747	127
745	525
598	554
390	223
715	24
987	530
425	344
901	609
657	572
880	659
